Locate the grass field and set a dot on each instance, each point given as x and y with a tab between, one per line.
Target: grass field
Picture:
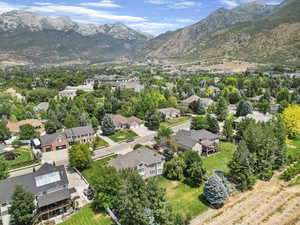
25	155
87	216
122	135
294	148
174	121
101	143
185	199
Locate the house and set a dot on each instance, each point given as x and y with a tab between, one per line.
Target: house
54	142
168	113
101	79
205	101
122	122
256	116
70	94
4	149
43	106
15	127
147	162
274	108
60	141
201	141
84	134
136	86
232	109
50	186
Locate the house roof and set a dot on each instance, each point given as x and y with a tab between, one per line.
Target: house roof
168	110
186	142
15	127
53	197
36	182
78	131
42	106
190	99
119	120
48	139
136	157
196	135
257	116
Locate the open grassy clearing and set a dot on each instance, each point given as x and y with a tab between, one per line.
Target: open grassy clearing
87	216
122	135
174	121
185	199
101	143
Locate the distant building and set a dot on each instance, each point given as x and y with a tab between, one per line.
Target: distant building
43	106
168	113
201	141
147	162
15	127
49	185
256	116
194	98
136	86
70	94
114	79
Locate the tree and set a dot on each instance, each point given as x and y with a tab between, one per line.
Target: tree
291	118
199	108
22	206
153	121
3	168
228	130
28	132
240	168
50	127
164	132
173	169
108	127
80	156
244	108
222	109
40	95
4	132
168	154
283	95
263	106
95	123
71	121
213	125
106	186
199	122
215	191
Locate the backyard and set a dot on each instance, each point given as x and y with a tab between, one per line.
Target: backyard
185	199
100	143
174	121
87	216
122	135
24	155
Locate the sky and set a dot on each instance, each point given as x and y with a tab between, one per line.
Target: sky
151	16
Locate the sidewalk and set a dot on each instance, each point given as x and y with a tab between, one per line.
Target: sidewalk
108	140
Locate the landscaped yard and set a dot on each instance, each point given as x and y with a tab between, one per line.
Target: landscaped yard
174	121
94	170
185	199
122	135
87	216
101	143
25	155
294	148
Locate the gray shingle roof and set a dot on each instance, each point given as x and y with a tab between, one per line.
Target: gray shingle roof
28	182
78	131
134	158
53	197
196	135
48	139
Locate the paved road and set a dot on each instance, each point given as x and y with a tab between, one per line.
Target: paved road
61	157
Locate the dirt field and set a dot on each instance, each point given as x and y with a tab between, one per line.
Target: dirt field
269	203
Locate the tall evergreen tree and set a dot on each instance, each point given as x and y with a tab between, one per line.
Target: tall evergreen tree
22	206
222	109
213	125
4	132
107	125
244	108
215	191
3	168
228	130
199	108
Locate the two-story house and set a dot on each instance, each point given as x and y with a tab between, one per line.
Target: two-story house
147	162
50	187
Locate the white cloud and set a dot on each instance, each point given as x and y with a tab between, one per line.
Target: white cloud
229	3
152	27
4	7
184	20
43	3
156	2
274	2
102	4
86	12
184	4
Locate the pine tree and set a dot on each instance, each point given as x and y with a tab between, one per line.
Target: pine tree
107	126
228	130
199	108
3	168
215	191
244	108
22	206
222	109
4	132
213	124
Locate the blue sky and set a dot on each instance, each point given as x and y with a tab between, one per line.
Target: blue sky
152	16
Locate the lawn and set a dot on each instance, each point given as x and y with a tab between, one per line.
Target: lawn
101	143
25	155
87	216
93	171
122	135
174	121
294	148
185	199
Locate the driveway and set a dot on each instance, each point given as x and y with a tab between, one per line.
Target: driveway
60	157
142	131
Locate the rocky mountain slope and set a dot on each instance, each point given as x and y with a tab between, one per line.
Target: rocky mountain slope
34	39
253	32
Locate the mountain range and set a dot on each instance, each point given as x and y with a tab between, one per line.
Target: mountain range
253	32
28	38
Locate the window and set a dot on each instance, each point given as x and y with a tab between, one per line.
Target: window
47	179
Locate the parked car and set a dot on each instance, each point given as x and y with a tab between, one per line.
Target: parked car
130	140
